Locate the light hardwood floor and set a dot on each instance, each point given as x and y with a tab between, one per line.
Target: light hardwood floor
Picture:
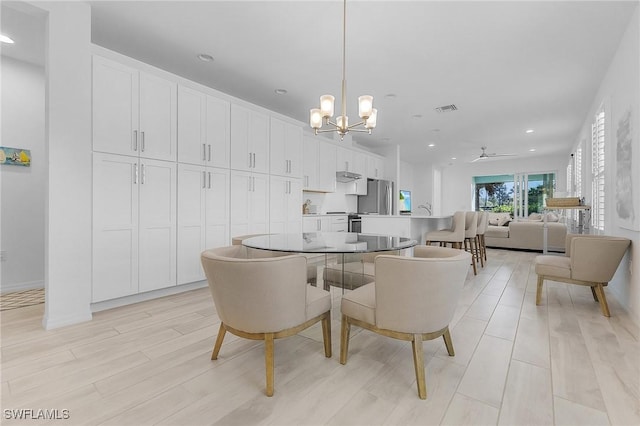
516	363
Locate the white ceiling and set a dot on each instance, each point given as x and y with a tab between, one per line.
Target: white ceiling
507	66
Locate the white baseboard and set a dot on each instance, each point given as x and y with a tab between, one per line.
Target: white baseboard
29	285
136	298
49	323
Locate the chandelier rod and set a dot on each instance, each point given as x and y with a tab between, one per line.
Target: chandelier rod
344	61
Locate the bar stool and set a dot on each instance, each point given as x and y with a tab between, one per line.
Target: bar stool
453	236
470	232
483	221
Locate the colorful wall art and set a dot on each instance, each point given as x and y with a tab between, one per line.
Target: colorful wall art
15	156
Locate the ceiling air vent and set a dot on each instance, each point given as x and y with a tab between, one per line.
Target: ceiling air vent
447	108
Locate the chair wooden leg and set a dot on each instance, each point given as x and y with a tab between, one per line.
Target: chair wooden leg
539	290
326	334
473	260
344	339
484	247
268	358
219	339
418	362
593	293
479	250
448	342
603	300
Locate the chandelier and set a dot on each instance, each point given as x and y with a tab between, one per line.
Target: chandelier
366	111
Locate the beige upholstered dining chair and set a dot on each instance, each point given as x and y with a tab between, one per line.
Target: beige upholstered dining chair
589	260
312	270
470	234
412	299
483	222
453	236
264	299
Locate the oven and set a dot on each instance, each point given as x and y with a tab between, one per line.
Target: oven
355	223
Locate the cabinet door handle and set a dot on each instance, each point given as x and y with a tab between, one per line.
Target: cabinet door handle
254	160
204	179
135	140
209	180
135	174
142	173
209	156
142	141
204	152
250	160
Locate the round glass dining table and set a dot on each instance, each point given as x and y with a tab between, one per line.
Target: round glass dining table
343	252
329	242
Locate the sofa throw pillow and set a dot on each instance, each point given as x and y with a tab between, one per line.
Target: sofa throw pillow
535	217
504	221
494	221
552	217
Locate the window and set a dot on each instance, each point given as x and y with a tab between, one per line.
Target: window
497	193
597	171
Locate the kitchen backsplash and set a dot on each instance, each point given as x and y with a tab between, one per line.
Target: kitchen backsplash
332	201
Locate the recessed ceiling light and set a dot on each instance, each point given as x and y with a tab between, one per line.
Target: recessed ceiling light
390	96
204	57
532	150
386	139
417	115
431	145
281	91
529	131
5	39
435	130
453	158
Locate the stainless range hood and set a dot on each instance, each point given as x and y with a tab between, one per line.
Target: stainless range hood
345	177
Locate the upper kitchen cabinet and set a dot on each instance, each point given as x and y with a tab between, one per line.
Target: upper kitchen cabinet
134	113
286	149
360	163
249	140
203	129
375	167
319	165
344	160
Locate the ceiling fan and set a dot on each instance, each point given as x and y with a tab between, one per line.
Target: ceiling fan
485	156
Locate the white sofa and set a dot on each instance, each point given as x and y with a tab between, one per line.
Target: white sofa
525	234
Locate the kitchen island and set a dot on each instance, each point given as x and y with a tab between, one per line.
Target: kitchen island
411	226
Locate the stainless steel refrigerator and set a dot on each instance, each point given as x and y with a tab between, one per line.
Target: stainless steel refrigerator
379	198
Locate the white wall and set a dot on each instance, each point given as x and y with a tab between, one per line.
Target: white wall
457	180
23	188
619	92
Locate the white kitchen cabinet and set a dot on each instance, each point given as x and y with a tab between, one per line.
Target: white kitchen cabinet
134	225
249	198
316	224
344	160
203	217
357	187
375	167
360	163
203	129
249	140
286	149
285	205
319	165
133	112
339	223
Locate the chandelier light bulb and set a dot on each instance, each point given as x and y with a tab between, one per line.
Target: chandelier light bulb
315	118
326	105
343	122
365	106
370	122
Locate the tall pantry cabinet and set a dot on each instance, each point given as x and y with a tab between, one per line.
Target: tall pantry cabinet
134	183
203	190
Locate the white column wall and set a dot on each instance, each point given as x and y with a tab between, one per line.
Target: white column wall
68	129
